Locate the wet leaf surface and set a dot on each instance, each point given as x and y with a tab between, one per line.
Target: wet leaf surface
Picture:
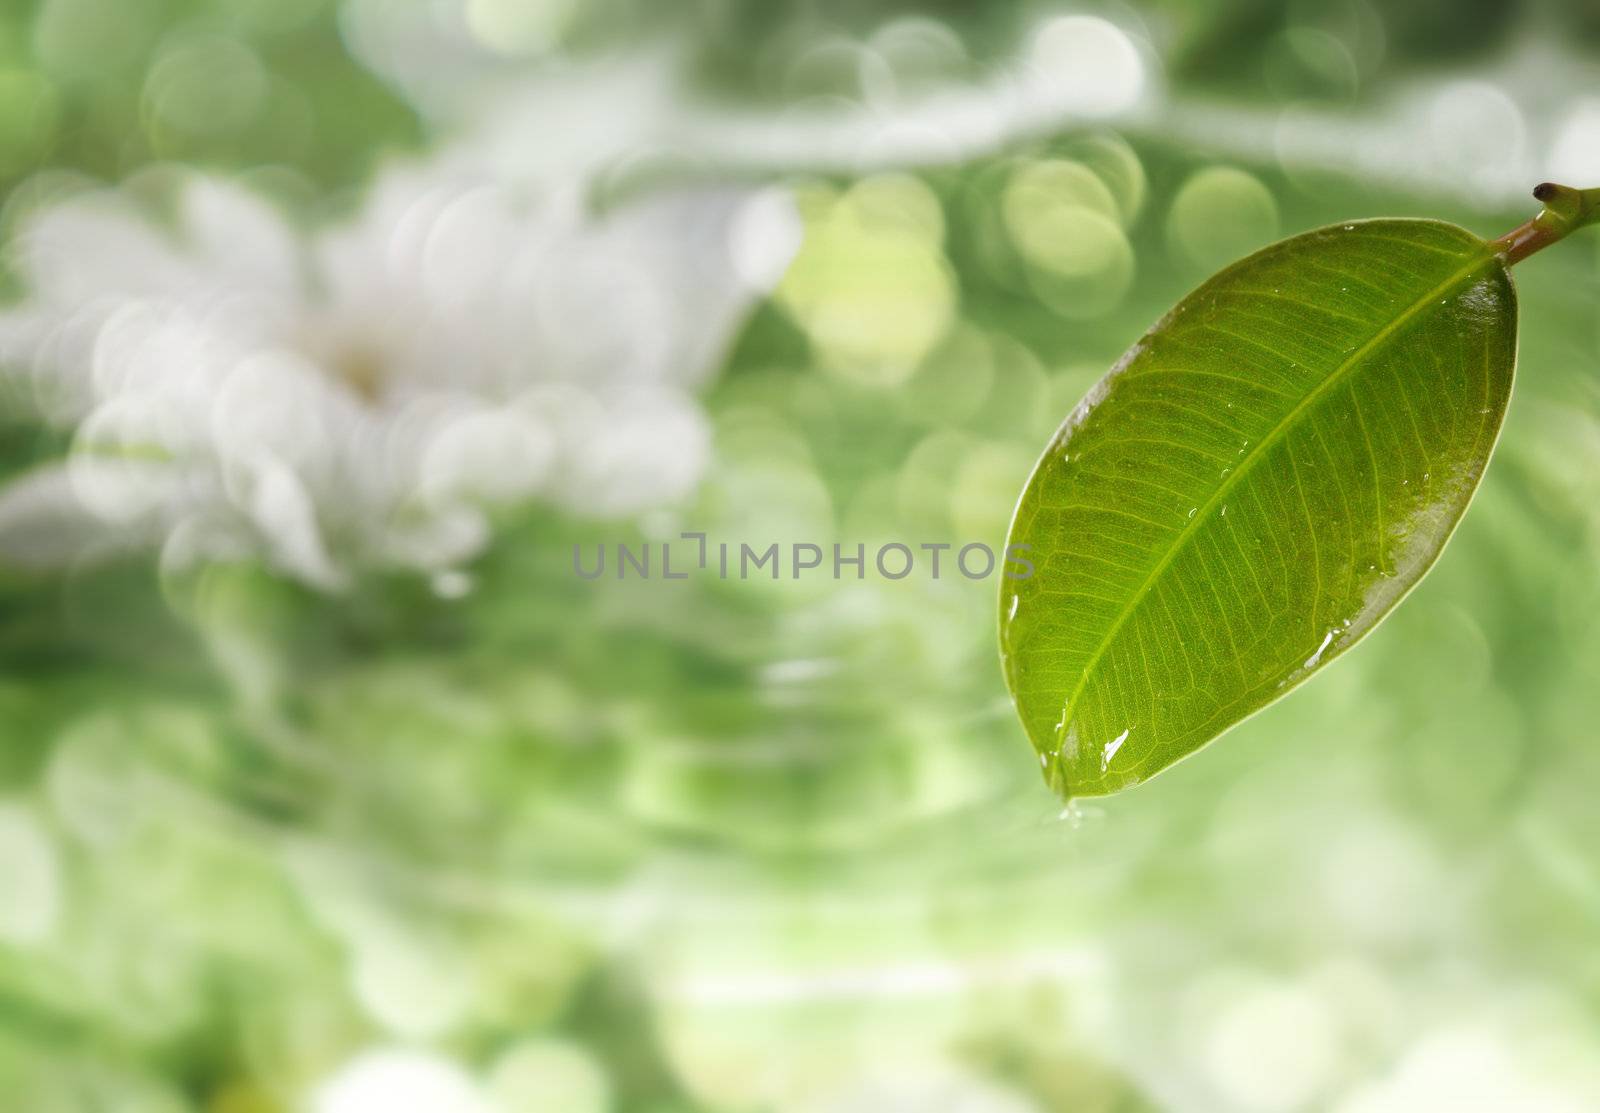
1251	489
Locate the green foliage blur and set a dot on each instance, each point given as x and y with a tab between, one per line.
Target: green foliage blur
508	841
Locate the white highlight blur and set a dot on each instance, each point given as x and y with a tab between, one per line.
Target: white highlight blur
1465	1069
914	108
1478	135
1086	64
1575	154
929	1088
30	878
400	1081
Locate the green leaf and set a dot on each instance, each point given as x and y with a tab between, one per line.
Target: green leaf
1251	489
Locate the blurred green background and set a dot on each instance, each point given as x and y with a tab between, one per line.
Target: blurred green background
326	786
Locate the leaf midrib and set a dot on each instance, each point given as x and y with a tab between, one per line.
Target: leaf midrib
1244	467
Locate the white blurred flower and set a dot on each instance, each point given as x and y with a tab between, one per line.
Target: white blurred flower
357	397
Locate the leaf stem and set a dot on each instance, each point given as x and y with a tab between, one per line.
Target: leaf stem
1565	211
